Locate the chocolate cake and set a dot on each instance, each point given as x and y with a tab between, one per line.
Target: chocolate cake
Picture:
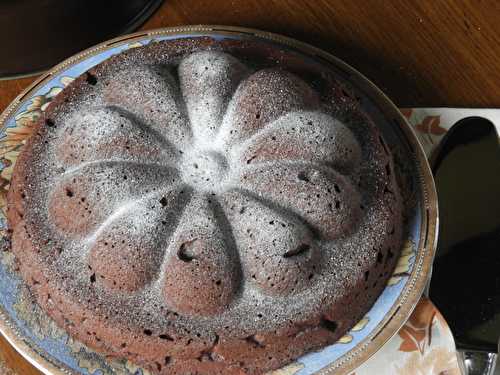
206	206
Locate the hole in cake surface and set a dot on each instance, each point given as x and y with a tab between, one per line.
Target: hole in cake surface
69	192
163	201
167	360
329	324
251	159
50	123
390	254
299	250
255	341
92	278
164	336
91	79
185	252
302	176
148	332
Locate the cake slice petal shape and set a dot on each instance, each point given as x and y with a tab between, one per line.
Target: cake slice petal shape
262	98
109	133
82	198
207	82
303	136
126	251
323	198
150	93
278	251
201	270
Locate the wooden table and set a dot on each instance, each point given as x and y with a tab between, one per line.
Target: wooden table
425	53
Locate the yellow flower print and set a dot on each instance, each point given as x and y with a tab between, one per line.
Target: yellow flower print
135	45
347	338
65	81
403	265
15	137
291	369
31	313
96	363
25	120
361	324
141	44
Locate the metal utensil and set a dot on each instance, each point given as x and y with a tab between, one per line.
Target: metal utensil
465	284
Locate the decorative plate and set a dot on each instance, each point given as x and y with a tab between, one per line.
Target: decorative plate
51	350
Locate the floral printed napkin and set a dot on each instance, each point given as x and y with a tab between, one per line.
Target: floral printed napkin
424	346
431	124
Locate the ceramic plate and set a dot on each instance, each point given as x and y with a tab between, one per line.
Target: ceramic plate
50	349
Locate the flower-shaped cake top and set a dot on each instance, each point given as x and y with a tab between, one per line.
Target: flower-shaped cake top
206	183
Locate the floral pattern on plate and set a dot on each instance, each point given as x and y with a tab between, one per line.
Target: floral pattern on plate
16	136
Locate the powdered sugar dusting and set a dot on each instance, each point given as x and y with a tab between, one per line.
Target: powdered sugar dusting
240	181
208	80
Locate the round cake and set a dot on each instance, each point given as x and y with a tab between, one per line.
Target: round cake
206	206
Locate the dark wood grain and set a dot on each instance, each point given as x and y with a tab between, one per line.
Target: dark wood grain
11	362
425	53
